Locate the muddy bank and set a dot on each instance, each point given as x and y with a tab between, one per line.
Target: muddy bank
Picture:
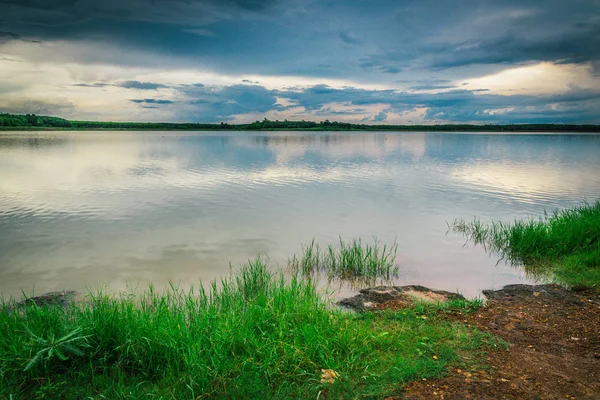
554	352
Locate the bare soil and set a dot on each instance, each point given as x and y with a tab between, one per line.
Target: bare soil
554	352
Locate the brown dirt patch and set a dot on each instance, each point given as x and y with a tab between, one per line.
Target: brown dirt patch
554	353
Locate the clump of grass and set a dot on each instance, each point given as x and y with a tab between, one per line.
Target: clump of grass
348	260
565	244
256	335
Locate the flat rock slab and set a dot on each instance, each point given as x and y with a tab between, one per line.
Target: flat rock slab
385	297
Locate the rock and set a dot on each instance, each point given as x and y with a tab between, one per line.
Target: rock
373	298
60	299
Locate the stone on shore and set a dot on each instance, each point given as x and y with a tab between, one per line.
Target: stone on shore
381	297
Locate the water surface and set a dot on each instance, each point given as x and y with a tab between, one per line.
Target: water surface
93	209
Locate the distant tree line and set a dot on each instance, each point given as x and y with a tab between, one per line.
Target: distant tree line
32	121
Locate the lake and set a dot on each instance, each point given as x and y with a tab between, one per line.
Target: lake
121	209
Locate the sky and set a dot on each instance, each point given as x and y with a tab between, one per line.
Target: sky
237	61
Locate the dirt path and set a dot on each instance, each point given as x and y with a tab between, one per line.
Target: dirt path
554	353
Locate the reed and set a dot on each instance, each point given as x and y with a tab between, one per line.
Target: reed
348	259
564	245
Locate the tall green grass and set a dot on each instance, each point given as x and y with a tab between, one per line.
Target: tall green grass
349	260
256	335
565	244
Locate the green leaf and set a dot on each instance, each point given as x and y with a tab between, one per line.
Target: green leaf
34	360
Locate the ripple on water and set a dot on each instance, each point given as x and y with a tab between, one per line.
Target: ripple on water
87	205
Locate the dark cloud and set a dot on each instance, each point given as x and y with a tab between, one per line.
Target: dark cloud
577	45
200	32
425	44
348	37
9	36
253	5
382	116
126	85
502	32
432	87
203	103
461	105
212	103
317	96
141	85
152	101
327	111
191	12
292	36
370	64
92	85
565	114
390	69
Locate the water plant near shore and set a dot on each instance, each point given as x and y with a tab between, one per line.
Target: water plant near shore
257	334
348	260
564	244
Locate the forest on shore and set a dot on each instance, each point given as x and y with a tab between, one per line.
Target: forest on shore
32	121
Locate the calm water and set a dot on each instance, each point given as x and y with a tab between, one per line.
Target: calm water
89	209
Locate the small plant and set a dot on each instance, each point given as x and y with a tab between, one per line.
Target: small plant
564	244
348	260
61	347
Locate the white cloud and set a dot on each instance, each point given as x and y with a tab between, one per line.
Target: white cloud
47	75
538	79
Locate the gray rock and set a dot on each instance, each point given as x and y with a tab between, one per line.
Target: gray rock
371	298
60	299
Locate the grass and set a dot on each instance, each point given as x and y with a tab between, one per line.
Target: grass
349	260
255	335
564	245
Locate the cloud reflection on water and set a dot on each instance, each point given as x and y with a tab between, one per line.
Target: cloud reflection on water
82	209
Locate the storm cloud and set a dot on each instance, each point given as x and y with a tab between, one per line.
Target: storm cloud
323	58
141	85
151	101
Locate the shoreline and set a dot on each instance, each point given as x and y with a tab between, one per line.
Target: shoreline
553	346
366	299
595	130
